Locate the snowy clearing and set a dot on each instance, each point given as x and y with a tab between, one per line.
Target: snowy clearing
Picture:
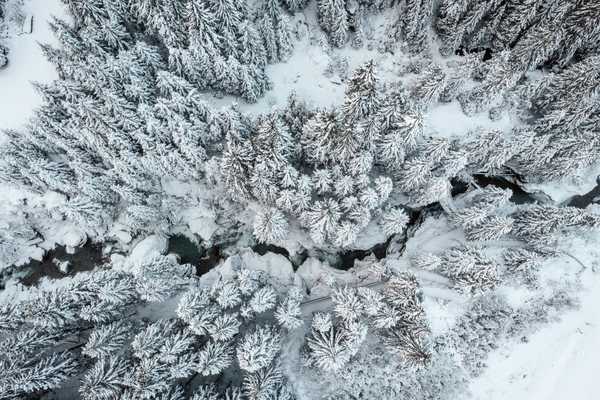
558	362
27	64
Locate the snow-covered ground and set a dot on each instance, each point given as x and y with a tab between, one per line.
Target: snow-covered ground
558	362
561	191
27	63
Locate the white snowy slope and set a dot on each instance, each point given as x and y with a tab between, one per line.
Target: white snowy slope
558	362
27	63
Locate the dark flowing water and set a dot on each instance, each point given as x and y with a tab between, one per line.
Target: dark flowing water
191	253
85	258
88	256
584	200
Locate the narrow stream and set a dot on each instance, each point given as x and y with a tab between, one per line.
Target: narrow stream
584	200
204	259
85	258
190	253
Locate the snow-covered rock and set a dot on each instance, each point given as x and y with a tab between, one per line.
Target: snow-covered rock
63	266
35	253
150	247
74	238
315	275
280	270
117	259
122	234
203	227
201	221
433	236
369	237
276	266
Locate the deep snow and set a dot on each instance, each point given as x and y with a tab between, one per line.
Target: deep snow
27	63
558	362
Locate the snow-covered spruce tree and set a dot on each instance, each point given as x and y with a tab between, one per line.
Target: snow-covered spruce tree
333	18
503	74
523	263
273	143
295	5
333	148
431	85
469	268
236	161
393	221
108	149
566	106
395	316
491	151
459	21
270	226
523	35
89	331
295	114
3	56
480	204
325	140
18	234
412	24
482	216
41	333
234	316
518	16
361	100
401	126
539	224
274	29
372	134
490	228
